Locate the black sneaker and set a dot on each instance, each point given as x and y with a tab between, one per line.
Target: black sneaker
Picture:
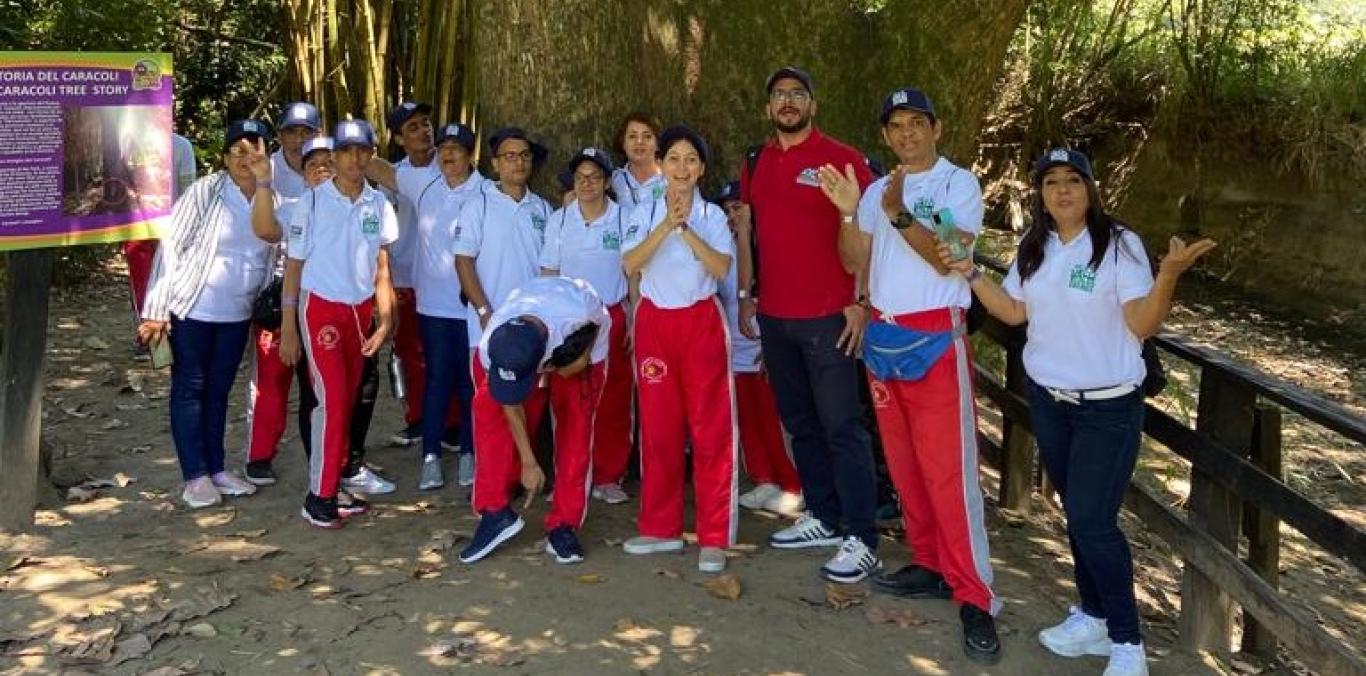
494	529
407	436
563	545
260	473
321	513
348	505
913	582
980	642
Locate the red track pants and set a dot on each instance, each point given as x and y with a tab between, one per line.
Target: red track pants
268	398
929	435
408	346
685	390
761	435
612	430
332	337
573	403
139	255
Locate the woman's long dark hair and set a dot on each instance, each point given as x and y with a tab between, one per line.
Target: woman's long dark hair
1101	226
574	346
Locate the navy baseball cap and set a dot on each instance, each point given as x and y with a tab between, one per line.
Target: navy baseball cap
353	133
405	110
515	352
597	156
909	98
538	151
248	129
1063	157
454	131
317	143
789	71
301	114
730	192
683	132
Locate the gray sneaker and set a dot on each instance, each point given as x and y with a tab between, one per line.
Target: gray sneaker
464	469
431	474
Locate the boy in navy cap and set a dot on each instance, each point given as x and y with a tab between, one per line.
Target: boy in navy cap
299	123
548	339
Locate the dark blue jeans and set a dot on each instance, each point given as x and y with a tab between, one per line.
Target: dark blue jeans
445	346
206	356
817	389
1089	450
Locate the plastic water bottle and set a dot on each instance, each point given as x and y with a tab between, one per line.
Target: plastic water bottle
397	384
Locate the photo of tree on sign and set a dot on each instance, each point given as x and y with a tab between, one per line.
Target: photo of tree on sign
118	160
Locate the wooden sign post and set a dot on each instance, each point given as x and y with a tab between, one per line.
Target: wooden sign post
22	360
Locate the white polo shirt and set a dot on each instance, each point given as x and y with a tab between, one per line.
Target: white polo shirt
900	281
238	267
504	237
1077	336
434	278
631	193
403	255
674	277
284	180
339	240
744	352
588	251
564	305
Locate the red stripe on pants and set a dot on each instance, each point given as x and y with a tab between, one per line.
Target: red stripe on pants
573	402
612	431
139	254
929	437
685	390
761	435
268	398
333	339
408	347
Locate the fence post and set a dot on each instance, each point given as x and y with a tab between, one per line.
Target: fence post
1017	444
1263	529
1225	416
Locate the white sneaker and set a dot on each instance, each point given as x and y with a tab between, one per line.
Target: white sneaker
227	483
1127	659
611	494
367	481
644	544
759	495
200	493
464	469
853	562
1078	635
431	478
786	504
807	532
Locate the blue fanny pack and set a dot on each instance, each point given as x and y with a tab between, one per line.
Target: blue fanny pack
892	352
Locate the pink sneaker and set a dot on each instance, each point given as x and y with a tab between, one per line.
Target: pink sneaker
228	483
200	493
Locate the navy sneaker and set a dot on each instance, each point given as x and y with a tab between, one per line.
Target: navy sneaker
562	544
494	529
321	513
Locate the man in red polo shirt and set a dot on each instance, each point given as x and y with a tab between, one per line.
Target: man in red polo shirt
812	325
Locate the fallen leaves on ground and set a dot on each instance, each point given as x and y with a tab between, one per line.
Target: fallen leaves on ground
842	596
723	587
440	541
590	578
281	583
901	617
217	518
667	573
468	649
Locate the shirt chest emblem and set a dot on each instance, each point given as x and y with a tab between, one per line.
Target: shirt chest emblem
923	208
369	223
611	240
538	223
1082	278
809	176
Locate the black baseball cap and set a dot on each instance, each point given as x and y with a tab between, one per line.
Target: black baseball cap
538	151
1063	157
793	72
353	133
301	114
454	131
248	129
597	156
405	110
683	132
515	352
908	98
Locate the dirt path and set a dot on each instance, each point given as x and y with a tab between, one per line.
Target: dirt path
249	588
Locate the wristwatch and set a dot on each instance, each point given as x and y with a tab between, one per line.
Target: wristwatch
903	220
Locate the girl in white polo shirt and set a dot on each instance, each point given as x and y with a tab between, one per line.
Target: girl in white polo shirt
1083	282
640	180
336	279
583	241
681	247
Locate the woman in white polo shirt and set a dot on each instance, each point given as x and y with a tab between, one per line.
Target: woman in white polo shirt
336	280
640	180
681	246
204	280
1083	282
583	241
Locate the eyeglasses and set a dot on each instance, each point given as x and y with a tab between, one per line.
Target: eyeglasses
238	152
789	95
589	179
523	156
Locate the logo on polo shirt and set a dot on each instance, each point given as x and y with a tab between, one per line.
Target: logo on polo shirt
611	241
631	231
328	337
1083	278
809	176
653	370
538	222
657	192
369	224
923	208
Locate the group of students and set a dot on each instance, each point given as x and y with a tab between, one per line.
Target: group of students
501	306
